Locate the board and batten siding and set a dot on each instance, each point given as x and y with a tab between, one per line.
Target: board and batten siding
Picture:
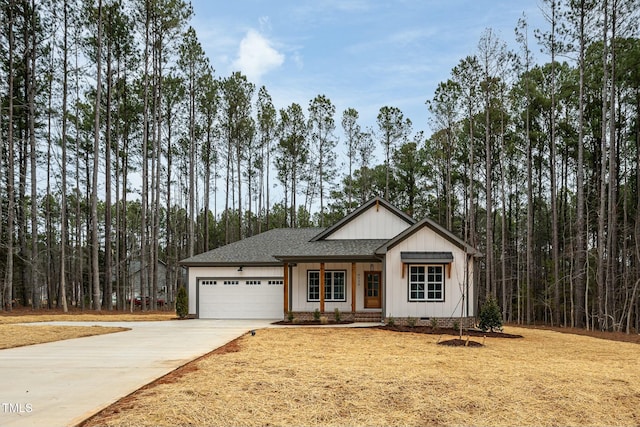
247	273
397	302
373	223
299	283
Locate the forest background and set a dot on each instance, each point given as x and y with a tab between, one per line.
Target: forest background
120	146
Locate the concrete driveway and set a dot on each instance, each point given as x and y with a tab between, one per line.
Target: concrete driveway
64	382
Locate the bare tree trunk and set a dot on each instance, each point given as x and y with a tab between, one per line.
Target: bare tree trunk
579	310
145	166
555	252
601	243
612	219
96	156
108	285
8	284
31	82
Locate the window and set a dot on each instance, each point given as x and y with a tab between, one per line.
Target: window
426	283
313	286
231	282
208	282
253	282
334	285
276	282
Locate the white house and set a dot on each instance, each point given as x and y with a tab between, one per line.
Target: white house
376	263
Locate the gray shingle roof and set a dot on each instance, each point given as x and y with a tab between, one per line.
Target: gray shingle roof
285	244
255	250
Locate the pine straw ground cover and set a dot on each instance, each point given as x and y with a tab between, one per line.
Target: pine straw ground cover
313	376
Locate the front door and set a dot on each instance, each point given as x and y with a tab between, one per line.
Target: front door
372	289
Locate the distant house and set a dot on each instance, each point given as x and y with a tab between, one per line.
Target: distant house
132	287
375	263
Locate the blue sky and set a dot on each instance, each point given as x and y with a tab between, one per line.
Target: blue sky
360	53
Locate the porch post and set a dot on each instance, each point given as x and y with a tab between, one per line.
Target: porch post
322	287
353	287
286	288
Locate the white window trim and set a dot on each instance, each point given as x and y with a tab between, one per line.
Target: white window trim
426	283
332	299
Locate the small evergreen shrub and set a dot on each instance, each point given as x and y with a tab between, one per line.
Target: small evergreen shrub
456	325
490	316
434	323
391	321
182	303
290	317
411	322
336	315
316	315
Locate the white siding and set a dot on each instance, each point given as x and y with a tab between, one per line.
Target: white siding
299	285
236	301
397	302
374	223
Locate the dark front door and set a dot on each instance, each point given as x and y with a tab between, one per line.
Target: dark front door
372	298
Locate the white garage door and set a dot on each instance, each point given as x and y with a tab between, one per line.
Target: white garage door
241	299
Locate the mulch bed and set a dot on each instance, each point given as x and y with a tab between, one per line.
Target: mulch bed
311	322
457	342
447	331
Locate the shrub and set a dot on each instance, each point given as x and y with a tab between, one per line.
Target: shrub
324	320
316	315
182	303
490	316
290	317
336	315
456	325
434	323
391	321
411	322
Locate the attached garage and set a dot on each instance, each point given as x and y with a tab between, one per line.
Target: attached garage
233	298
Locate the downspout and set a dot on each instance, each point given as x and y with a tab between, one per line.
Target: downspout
290	290
383	283
466	267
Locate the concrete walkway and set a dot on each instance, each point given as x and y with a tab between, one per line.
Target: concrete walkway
64	382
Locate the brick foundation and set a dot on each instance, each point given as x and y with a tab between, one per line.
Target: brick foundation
441	322
374	317
304	316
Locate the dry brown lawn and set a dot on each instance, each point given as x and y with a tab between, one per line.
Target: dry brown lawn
28	316
325	377
12	335
21	335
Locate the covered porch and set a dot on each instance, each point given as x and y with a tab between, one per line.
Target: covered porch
354	287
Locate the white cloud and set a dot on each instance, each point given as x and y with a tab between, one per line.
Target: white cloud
256	56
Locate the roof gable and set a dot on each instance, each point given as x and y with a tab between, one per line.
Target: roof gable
376	219
435	227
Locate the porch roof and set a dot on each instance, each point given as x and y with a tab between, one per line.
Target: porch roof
332	250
